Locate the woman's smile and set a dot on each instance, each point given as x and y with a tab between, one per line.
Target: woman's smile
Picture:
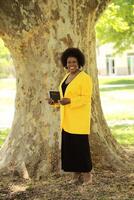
72	67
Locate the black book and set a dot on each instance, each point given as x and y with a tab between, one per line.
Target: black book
55	96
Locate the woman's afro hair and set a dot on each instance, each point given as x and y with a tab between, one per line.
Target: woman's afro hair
73	52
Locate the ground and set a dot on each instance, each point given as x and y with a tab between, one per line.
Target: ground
107	185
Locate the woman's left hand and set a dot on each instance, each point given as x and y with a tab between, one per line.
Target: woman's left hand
64	101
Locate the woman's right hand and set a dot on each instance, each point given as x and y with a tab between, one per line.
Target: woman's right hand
51	101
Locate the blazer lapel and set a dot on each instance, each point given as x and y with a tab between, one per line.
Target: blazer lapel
74	81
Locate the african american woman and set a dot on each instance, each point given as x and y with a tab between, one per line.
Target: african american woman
75	109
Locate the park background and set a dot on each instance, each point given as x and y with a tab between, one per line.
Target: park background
116	92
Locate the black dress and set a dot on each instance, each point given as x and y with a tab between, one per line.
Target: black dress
75	150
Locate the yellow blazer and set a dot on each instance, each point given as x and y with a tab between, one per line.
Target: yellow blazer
75	117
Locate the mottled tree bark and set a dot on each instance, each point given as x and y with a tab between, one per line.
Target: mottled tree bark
36	32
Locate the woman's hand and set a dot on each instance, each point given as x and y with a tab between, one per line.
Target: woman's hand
64	101
50	101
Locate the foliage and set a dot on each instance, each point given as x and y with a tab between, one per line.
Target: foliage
116	25
3	135
6	64
4	55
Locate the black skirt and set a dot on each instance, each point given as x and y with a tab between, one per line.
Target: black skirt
75	153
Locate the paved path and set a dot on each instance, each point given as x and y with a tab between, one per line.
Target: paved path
120	122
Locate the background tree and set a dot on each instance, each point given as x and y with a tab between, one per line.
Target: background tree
116	25
36	32
6	65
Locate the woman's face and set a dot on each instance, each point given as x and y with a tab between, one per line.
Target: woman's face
72	64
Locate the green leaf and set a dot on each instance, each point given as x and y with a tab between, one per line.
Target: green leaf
116	25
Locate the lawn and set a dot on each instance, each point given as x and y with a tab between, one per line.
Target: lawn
117	98
118	105
116	80
124	134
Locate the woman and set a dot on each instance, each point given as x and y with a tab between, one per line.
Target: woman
75	105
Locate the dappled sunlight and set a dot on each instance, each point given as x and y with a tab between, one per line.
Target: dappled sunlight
105	184
18	188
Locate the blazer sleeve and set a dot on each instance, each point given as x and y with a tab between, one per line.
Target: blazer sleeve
86	93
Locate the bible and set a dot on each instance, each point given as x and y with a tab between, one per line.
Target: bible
54	95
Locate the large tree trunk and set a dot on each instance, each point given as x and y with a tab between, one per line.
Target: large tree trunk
36	32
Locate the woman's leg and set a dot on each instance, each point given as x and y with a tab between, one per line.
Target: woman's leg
82	177
76	178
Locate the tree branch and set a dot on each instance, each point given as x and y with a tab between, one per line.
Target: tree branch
18	15
102	4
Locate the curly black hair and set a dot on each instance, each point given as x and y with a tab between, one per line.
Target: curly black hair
73	52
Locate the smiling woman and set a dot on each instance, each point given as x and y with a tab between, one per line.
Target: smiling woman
36	38
75	104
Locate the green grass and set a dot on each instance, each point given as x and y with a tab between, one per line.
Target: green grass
118	105
124	134
116	80
117	102
3	135
119	88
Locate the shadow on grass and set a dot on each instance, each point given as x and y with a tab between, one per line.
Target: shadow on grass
124	134
127	87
